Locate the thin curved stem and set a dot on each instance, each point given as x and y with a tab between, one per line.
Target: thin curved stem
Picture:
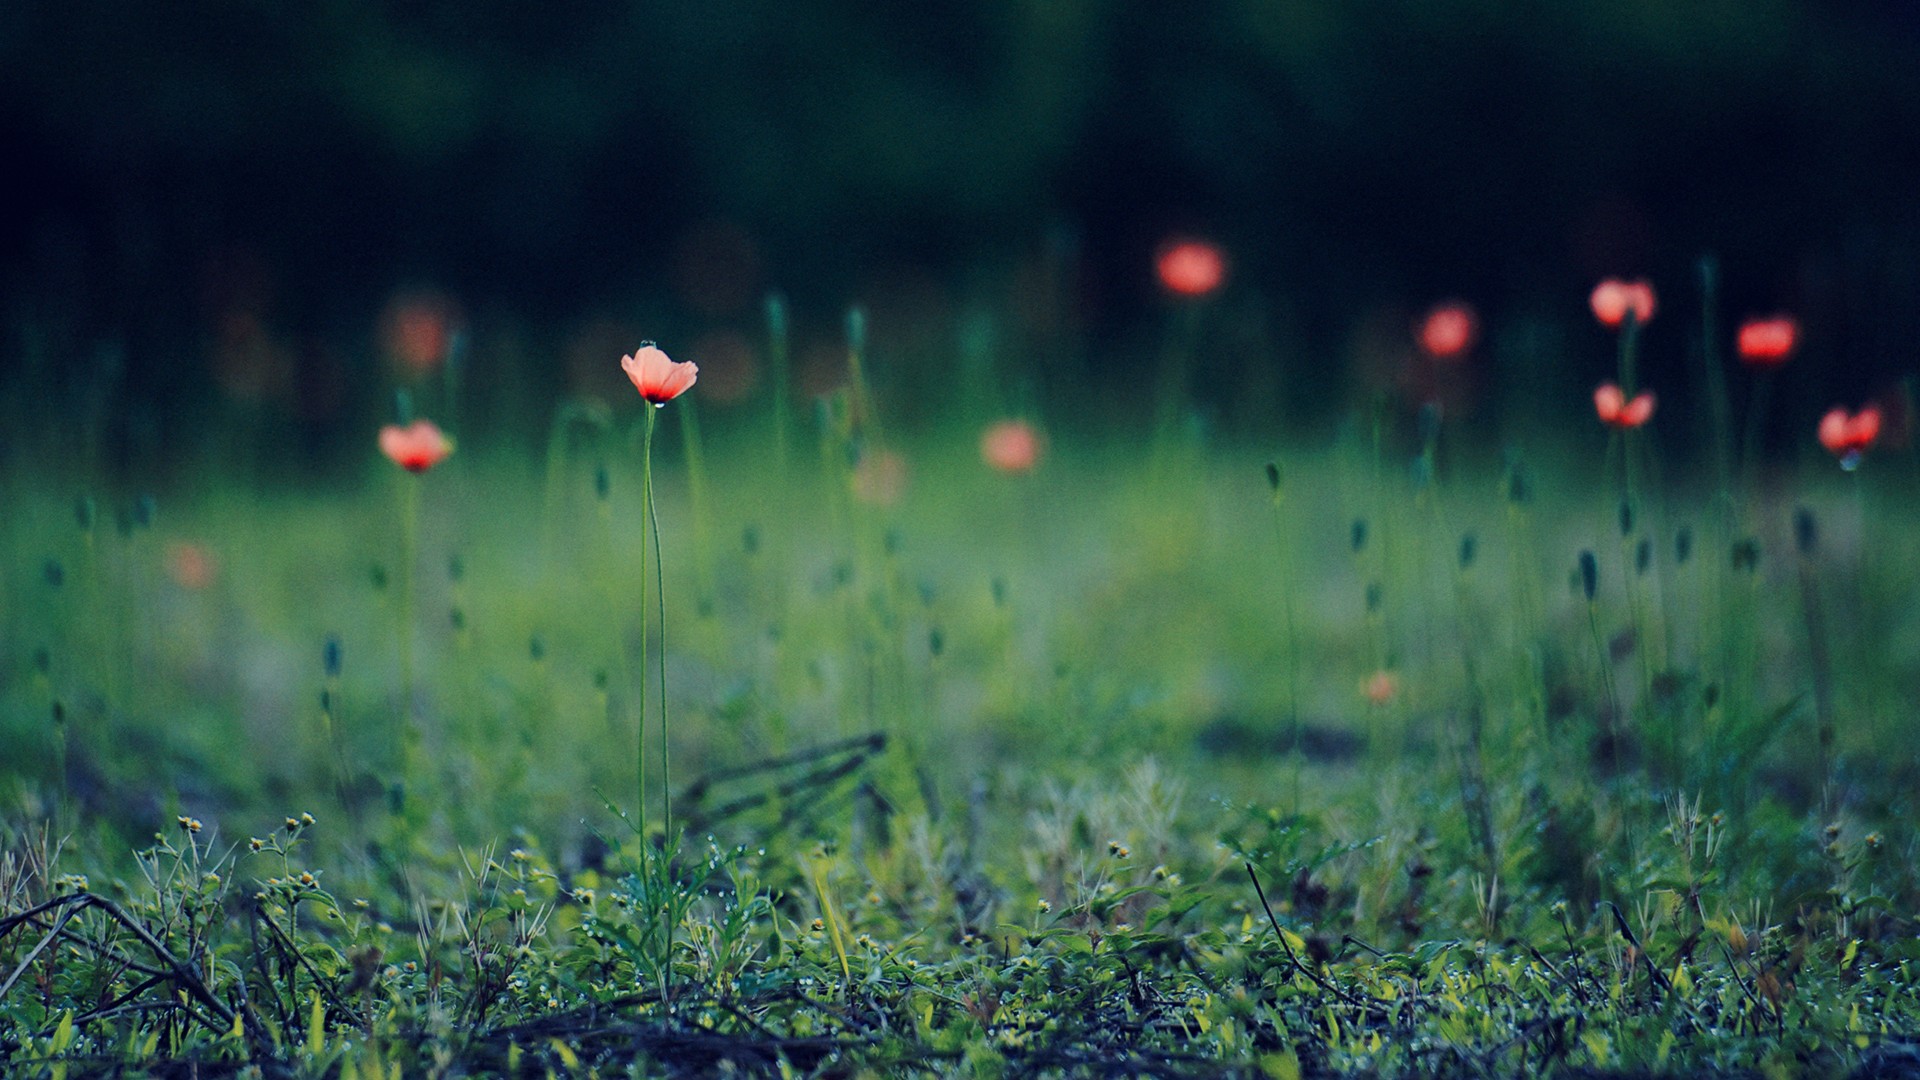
640	726
665	868
660	600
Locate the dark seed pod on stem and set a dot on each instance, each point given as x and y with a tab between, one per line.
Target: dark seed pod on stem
1805	533
1589	575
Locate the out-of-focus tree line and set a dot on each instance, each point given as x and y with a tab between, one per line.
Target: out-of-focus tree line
582	167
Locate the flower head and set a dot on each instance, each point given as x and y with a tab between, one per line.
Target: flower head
1847	437
1615	410
658	378
1380	687
1768	342
1190	267
417	447
1613	300
1448	330
419	330
1010	446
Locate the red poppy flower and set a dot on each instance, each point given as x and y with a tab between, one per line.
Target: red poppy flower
1611	403
417	447
1191	267
1010	446
1768	342
1612	299
658	378
1448	331
1847	437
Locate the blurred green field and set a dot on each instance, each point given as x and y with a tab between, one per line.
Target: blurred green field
1370	674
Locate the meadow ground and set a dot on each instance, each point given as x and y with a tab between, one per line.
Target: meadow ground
1167	756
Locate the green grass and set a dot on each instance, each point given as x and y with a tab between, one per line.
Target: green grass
992	781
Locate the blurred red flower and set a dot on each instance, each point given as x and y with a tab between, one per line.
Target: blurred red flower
418	330
1614	410
1010	446
1190	267
658	378
1768	342
191	566
1847	437
417	447
1613	299
1380	687
1448	330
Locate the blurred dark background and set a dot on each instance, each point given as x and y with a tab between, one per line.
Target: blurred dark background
235	208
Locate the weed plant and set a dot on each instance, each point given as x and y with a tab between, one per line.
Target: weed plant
1381	758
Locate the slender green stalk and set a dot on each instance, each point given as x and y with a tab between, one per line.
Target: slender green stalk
1293	643
1718	411
640	725
1756	421
1613	696
777	362
664	868
660	600
1820	659
697	504
403	733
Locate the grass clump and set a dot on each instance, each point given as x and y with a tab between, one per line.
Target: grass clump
1055	768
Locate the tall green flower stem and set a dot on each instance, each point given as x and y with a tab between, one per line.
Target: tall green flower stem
1632	450
1476	798
692	446
1819	658
1176	379
1522	558
596	420
663	868
404	733
777	364
1756	422
660	600
1719	414
1276	486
